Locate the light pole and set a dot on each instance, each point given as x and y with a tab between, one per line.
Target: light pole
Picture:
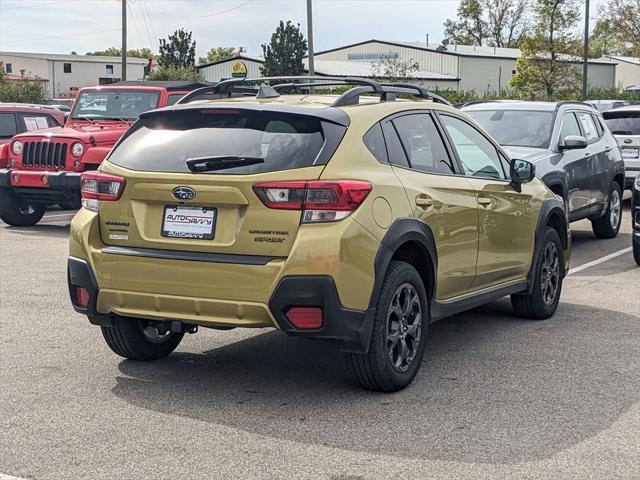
124	40
585	53
311	66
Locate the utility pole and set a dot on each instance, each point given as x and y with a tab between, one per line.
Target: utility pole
124	40
311	66
585	53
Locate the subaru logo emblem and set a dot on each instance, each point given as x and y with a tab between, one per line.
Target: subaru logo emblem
627	140
184	193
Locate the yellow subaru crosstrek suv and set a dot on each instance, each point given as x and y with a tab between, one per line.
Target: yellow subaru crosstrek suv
359	218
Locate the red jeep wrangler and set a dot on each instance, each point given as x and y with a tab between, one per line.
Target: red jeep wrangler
44	167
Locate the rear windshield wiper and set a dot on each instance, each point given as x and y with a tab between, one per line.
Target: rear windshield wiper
221	162
622	132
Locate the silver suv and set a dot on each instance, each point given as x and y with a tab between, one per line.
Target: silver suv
624	123
573	151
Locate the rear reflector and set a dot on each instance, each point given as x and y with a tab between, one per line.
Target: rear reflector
305	318
97	186
320	200
82	297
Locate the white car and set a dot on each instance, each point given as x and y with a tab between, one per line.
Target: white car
624	123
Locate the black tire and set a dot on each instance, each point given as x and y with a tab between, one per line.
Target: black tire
18	213
540	304
375	370
636	252
128	339
608	225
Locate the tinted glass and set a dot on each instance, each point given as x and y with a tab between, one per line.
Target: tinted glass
518	128
7	125
174	97
478	156
374	141
623	123
569	126
394	147
423	144
164	142
588	127
121	104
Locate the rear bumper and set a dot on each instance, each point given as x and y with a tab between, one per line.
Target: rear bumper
351	329
59	181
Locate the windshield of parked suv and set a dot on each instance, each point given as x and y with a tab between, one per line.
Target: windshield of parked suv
517	128
223	141
113	104
623	123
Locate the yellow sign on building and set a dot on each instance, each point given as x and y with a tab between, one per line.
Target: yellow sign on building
238	69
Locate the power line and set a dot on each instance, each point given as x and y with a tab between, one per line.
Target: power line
155	35
32	6
215	14
71	35
146	25
135	24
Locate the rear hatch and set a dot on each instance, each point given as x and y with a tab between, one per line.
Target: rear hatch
625	126
190	179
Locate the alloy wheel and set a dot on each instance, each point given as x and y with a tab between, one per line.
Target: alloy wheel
404	327
615	207
550	275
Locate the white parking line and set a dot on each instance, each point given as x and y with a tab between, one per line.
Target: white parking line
598	261
9	477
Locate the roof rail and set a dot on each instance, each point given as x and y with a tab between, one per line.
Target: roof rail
572	102
387	91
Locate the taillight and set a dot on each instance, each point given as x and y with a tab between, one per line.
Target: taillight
319	200
97	186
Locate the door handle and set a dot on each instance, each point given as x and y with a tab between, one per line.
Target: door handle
484	201
424	201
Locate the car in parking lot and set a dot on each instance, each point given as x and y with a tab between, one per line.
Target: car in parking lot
22	117
635	219
44	167
624	123
353	219
573	150
604	105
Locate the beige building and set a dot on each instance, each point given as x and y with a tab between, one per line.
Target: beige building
627	70
63	75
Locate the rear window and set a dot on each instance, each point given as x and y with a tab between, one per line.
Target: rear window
623	123
165	141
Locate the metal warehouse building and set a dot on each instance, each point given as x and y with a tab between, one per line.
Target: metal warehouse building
457	67
63	75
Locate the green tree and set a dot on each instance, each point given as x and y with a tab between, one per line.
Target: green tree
178	50
115	52
622	21
543	70
469	28
21	91
217	54
284	54
174	73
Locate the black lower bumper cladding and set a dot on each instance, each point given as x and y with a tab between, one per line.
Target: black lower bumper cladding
351	329
79	274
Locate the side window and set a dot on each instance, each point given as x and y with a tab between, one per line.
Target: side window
478	156
374	141
598	125
589	128
52	121
569	126
174	97
8	127
66	67
395	152
423	144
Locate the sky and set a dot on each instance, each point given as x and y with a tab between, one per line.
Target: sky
62	26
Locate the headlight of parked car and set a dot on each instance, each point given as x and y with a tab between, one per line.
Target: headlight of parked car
17	147
77	149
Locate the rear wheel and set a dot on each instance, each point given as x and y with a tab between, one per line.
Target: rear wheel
138	339
543	300
609	224
399	333
17	212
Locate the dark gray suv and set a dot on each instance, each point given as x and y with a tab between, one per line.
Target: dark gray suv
574	152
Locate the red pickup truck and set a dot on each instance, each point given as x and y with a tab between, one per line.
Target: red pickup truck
44	167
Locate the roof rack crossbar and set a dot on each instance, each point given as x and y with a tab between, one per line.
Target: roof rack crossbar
351	97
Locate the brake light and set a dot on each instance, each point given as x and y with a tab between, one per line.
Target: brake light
319	200
97	186
305	318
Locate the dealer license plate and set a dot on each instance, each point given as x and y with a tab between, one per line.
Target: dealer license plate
180	221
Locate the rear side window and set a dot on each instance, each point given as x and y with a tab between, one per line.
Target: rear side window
623	123
423	144
281	141
174	97
8	126
589	128
35	122
374	141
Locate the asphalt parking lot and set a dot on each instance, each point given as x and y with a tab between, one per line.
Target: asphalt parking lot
497	396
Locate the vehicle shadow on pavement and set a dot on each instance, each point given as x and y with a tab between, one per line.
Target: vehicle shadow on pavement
493	388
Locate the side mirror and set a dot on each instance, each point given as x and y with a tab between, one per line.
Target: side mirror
573	142
521	172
